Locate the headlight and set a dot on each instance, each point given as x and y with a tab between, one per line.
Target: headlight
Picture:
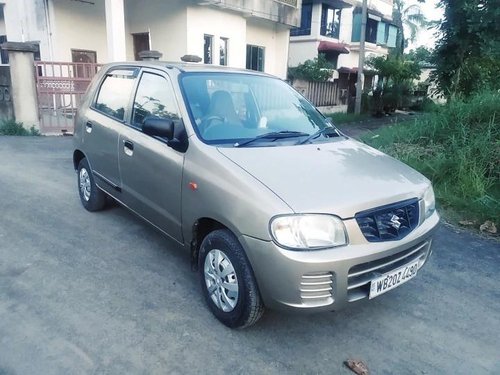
308	231
430	202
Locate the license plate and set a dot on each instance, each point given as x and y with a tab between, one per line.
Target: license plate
393	279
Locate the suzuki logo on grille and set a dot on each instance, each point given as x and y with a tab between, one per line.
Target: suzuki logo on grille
395	221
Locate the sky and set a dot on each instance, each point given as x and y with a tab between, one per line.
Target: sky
432	13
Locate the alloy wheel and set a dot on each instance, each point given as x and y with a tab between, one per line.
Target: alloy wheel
85	188
221	280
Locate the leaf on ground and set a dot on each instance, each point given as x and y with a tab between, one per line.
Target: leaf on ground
466	223
489	227
357	366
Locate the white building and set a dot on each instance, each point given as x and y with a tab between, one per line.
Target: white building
238	33
333	27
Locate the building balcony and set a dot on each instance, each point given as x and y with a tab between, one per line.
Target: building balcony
286	12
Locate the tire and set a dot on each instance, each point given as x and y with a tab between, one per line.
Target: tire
236	309
92	198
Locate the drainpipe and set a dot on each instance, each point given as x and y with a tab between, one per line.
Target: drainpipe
49	31
51	49
361	65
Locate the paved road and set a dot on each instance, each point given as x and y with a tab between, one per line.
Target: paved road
103	293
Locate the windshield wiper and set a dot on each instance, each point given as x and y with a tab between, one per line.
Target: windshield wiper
318	133
272	135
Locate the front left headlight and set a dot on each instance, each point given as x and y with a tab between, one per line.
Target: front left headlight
308	232
429	201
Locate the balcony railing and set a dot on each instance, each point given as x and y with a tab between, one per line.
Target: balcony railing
286	12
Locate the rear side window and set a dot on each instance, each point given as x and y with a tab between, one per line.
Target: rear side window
155	97
114	93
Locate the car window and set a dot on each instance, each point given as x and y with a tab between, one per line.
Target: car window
154	97
230	107
114	93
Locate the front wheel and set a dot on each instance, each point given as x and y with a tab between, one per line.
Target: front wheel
92	198
227	281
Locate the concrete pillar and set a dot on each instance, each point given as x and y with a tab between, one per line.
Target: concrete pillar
22	72
115	30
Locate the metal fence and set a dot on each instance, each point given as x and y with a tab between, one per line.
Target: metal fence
323	93
60	87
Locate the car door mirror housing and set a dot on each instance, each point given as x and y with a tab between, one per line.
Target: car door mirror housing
159	127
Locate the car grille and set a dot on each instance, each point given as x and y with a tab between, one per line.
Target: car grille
389	223
317	288
360	276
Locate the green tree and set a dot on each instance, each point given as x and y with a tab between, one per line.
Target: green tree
421	55
396	76
409	17
394	69
318	69
467	56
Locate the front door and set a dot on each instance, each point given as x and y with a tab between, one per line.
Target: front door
151	171
84	67
103	124
141	43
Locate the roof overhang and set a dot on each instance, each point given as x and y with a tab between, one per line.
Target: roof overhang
326	46
375	14
286	12
337	4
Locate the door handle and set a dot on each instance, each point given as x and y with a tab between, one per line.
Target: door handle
128	147
88	127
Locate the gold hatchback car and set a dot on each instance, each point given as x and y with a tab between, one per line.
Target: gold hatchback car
276	206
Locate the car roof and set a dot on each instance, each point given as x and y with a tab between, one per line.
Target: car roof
185	67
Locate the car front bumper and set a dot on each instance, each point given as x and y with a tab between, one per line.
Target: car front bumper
327	280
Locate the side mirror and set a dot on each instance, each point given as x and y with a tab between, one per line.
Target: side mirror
160	127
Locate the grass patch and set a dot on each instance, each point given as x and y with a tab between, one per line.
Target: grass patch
458	148
345	118
11	127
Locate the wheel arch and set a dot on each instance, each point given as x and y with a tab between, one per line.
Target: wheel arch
200	229
77	157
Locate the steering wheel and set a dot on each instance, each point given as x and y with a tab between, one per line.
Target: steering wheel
208	122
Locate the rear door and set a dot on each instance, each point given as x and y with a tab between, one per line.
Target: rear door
151	171
105	120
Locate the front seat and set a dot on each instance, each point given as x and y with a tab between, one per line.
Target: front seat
221	105
222	119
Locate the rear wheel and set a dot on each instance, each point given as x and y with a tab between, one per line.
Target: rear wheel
92	198
228	282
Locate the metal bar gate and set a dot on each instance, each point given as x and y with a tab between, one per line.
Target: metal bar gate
60	87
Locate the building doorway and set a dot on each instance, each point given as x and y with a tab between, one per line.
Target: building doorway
83	56
141	43
84	66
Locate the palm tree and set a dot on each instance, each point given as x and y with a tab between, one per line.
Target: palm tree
409	17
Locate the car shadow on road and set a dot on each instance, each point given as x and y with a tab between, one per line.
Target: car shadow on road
403	329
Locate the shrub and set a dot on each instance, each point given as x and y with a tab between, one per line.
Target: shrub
426	105
396	75
11	127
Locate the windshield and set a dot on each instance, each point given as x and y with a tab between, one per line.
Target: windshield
236	108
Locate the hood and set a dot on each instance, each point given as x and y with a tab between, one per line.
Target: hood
341	177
